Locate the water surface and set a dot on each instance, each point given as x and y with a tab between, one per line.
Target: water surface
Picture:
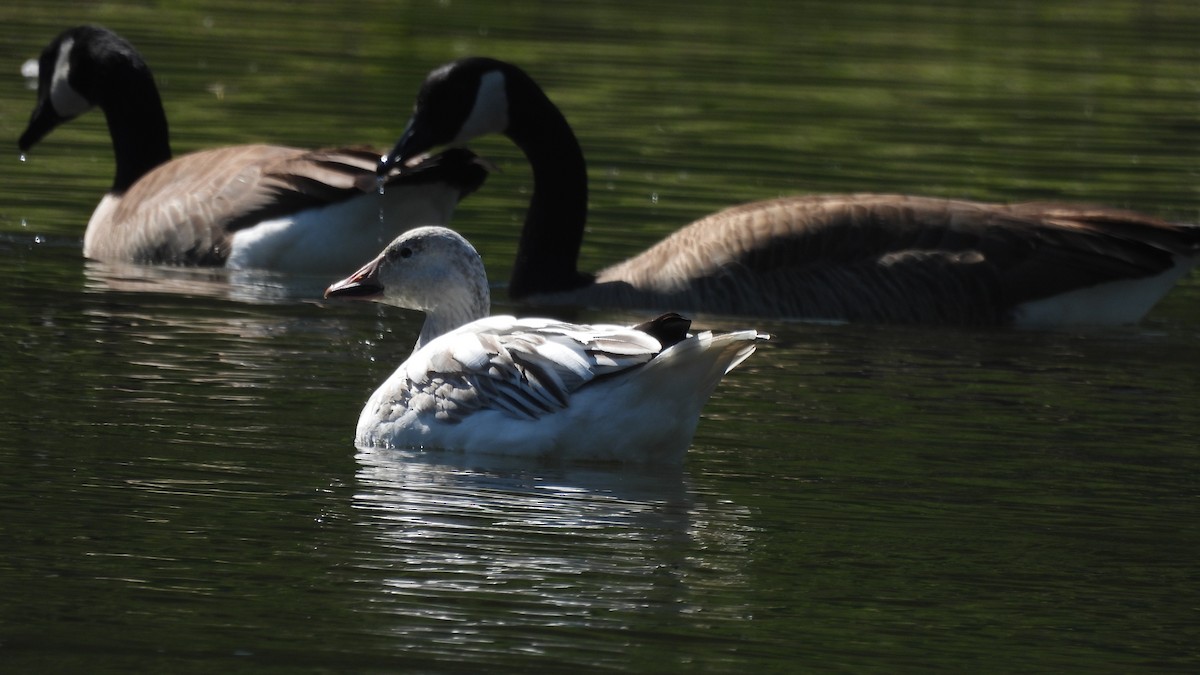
178	489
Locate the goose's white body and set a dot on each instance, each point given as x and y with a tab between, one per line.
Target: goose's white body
529	387
247	206
468	391
1114	303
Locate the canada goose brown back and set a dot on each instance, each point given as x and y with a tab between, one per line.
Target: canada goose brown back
258	206
858	257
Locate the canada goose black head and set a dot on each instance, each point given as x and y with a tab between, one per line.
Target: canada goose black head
476	96
84	67
467	98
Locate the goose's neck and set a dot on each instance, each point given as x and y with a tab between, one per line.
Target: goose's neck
138	126
548	251
453	313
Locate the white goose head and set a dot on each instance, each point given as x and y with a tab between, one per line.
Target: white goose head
430	269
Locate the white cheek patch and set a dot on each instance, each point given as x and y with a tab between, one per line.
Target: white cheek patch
490	114
29	70
67	102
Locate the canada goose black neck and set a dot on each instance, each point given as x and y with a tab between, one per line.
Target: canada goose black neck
139	135
136	119
549	247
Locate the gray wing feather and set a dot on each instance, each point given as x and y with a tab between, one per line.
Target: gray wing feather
523	369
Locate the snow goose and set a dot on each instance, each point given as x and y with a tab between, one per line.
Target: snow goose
857	257
245	206
530	387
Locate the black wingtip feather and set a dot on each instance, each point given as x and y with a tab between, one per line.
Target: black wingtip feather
668	329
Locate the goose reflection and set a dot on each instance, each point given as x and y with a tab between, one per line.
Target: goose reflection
200	353
490	541
249	286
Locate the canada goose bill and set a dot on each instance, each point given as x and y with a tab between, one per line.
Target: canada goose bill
856	257
530	387
245	206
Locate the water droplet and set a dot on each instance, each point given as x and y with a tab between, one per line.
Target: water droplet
653	197
24	158
379	186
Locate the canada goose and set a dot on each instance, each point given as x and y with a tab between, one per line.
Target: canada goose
857	257
530	387
245	206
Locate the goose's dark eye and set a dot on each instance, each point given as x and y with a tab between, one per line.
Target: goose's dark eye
406	252
403	252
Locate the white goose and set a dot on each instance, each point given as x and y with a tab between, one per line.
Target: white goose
245	206
859	257
530	387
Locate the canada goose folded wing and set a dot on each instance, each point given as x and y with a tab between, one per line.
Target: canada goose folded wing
187	211
892	258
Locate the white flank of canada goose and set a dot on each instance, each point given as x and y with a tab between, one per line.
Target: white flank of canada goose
246	206
857	257
530	387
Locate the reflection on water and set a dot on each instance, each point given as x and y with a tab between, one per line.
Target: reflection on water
247	286
539	552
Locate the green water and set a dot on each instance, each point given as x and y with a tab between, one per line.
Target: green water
178	490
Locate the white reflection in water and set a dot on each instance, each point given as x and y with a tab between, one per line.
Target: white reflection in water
501	543
248	286
188	350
